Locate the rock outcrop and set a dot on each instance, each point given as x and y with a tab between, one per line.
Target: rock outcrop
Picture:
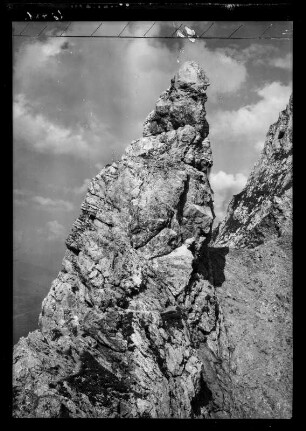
148	317
263	210
115	329
254	291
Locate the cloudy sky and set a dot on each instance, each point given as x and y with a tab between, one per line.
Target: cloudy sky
78	102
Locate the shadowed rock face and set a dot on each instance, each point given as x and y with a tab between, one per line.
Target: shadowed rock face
255	300
148	317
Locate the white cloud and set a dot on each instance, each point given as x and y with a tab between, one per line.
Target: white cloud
55	230
225	186
48	203
45	136
282	62
99	166
25	197
254	53
221	180
259	54
41	134
83	188
250	123
37	55
259	145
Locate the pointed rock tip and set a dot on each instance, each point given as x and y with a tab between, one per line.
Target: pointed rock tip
192	75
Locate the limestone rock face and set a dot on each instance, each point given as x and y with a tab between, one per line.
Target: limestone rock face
263	209
114	337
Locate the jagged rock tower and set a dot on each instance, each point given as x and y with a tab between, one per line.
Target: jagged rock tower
151	317
115	329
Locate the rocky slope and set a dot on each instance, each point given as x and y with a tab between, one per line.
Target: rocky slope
147	317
